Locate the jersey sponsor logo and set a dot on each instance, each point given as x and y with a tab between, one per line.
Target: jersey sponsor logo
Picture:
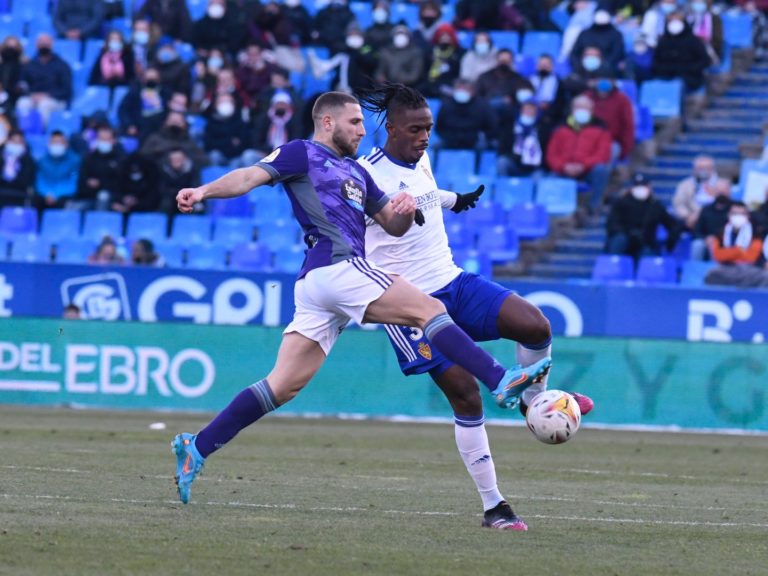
272	156
425	350
352	192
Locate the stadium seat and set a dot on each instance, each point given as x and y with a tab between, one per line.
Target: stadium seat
91	52
499	242
408	13
460	237
474	262
30	122
197	8
30	11
74	250
487	165
464	183
290	259
271	204
231	230
455	163
98	224
613	268
68	50
172	254
15	220
92	99
5	247
629	87
37	144
251	256
558	195
657	270
279	234
59	224
510	191
150	225
30	248
240	206
206	257
10	26
190	229
643	123
529	220
537	43
67	121
486	213
363	14
505	39
663	98
737	30
694	271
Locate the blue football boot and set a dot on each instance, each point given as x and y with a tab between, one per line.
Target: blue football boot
189	463
517	379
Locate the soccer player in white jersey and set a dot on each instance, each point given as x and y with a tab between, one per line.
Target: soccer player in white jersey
484	309
331	195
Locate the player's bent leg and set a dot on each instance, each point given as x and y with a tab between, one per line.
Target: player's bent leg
298	360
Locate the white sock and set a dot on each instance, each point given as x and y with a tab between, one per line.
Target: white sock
472	442
526	357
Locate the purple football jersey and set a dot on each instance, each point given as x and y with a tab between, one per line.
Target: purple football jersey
330	196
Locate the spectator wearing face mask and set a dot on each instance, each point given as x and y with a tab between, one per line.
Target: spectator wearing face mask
218	28
680	54
226	135
270	27
710	220
604	36
277	125
655	21
17	177
634	219
581	149
11	61
402	61
707	27
253	73
696	191
143	43
499	85
355	65
301	21
614	109
174	135
330	22
430	14
548	91
177	171
174	73
46	81
590	66
379	34
99	178
465	121
738	252
170	16
444	62
57	173
480	59
78	19
115	65
523	142
142	109
138	190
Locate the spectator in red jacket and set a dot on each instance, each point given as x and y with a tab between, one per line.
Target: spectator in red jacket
615	110
581	149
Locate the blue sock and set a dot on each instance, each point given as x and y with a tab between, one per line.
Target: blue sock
247	407
460	349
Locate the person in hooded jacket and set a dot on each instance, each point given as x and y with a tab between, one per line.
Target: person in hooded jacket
605	36
680	54
139	185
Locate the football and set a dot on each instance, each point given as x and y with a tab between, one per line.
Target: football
553	416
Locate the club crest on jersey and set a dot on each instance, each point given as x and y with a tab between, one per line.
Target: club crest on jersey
271	158
427	172
425	350
352	192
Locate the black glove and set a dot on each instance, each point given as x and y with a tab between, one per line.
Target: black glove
419	217
468	200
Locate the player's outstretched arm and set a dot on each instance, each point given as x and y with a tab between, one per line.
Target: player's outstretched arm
460	202
397	216
230	185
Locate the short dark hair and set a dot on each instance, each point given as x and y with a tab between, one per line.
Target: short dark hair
329	101
390	97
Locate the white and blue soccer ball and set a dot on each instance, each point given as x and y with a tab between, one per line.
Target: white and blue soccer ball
553	416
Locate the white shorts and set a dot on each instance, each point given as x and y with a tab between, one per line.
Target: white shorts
327	298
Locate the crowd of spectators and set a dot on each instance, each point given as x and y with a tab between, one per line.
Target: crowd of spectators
565	112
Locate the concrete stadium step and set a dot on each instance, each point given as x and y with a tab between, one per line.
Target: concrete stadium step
583	247
692	149
725	129
543	270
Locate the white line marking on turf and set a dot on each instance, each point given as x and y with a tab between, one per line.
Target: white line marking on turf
237	504
44	469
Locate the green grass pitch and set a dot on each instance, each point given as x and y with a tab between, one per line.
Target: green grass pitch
86	492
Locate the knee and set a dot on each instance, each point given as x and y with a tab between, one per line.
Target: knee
539	330
432	307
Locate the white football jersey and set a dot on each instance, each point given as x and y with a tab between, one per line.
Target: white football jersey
422	255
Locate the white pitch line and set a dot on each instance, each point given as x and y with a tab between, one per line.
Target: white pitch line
345	509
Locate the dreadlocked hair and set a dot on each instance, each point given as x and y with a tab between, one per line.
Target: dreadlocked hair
389	97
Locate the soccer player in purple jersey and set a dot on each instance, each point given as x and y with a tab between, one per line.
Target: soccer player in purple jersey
331	194
483	309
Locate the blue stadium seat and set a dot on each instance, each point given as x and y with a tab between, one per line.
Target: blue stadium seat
240	206
613	268
172	254
486	213
150	225
5	248
188	229
231	230
409	13
15	220
197	125
363	14
474	261
290	259
469	182
694	271
270	204
197	8
92	99
68	50
30	11
643	123
629	87
91	52
59	224
465	37
506	39
657	270
737	30
211	173
74	250
487	165
455	163
537	43
10	26
251	256
559	195
206	257
726	62
510	191
499	242
30	122
67	121
98	224
38	145
529	220
30	248
279	234
42	24
663	98
460	237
